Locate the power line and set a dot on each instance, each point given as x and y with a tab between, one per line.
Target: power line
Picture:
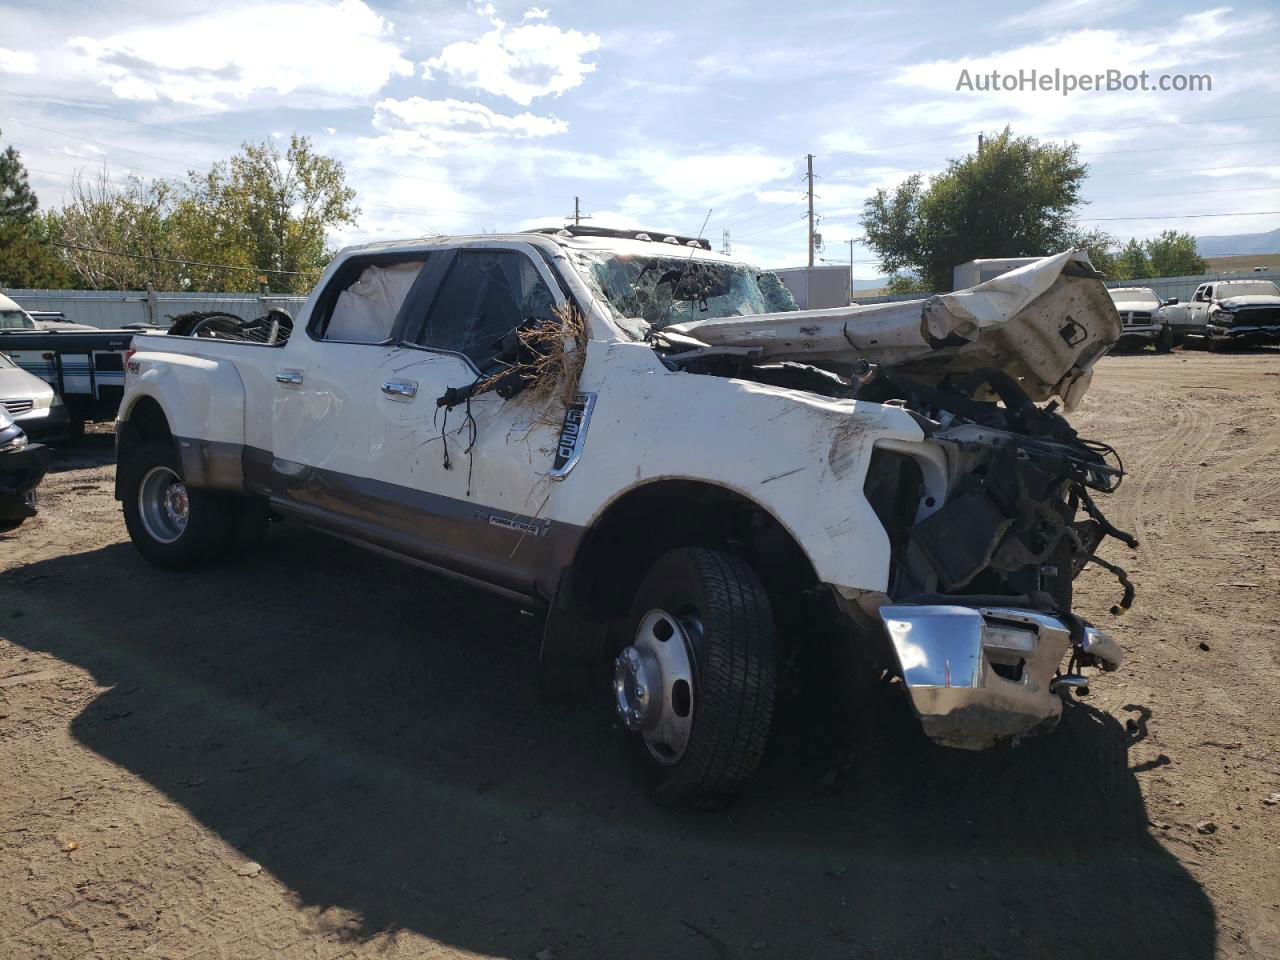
188	263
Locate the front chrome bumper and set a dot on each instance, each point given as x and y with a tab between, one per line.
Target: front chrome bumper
979	675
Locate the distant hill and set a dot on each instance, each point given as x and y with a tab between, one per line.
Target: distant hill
1239	244
1245	264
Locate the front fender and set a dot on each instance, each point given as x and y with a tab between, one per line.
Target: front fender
801	457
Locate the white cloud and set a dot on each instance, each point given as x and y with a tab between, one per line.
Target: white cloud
1198	43
16	61
337	51
521	63
536	13
709	175
1061	13
455	120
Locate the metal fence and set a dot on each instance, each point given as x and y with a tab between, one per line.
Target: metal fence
110	309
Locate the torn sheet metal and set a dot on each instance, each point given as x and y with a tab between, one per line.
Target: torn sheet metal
1045	324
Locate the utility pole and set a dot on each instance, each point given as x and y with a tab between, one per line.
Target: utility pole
578	215
809	161
851	269
979	143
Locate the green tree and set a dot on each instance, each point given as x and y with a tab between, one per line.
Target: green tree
18	202
903	283
121	236
26	258
1174	254
1017	197
1132	262
266	211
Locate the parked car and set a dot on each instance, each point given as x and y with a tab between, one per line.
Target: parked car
1142	319
22	466
697	485
1222	312
83	364
31	402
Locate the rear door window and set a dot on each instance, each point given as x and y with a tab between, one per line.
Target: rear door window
485	295
366	308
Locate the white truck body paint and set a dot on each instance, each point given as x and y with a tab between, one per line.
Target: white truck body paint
349	436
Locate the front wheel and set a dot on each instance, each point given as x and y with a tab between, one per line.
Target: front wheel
171	524
1164	341
694	686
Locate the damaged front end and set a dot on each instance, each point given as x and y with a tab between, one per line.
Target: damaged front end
993	514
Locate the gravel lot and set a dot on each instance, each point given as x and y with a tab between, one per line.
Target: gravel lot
321	754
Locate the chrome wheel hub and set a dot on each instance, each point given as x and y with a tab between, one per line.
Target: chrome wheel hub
653	684
163	504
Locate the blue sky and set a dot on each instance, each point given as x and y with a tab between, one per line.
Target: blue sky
462	117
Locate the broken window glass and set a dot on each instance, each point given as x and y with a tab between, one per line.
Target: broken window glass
487	294
662	290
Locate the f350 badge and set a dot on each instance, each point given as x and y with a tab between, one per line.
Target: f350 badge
573	435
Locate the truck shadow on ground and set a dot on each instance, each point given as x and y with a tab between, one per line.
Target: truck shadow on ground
371	736
96	448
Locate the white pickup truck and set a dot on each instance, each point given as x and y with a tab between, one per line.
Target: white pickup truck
1222	312
698	485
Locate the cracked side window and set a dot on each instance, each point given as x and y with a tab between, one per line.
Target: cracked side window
486	295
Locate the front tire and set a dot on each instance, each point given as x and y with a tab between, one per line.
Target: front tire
694	687
1164	342
172	525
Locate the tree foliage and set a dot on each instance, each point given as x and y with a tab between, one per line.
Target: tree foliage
1017	197
26	258
17	200
1174	254
268	211
119	235
1131	262
263	212
903	283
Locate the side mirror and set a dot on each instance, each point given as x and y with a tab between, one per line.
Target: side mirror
1171	302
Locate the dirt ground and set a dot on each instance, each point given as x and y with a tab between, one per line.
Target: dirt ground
321	754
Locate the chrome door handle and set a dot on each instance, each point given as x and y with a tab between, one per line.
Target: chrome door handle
291	377
400	389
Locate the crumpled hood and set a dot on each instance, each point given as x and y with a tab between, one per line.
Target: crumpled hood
1255	300
1045	324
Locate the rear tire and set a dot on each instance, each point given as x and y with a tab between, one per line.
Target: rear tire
173	526
696	720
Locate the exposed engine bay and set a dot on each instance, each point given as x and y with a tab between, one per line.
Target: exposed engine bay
1018	520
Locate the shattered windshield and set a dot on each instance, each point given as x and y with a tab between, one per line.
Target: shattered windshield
1260	288
15	320
662	290
1136	295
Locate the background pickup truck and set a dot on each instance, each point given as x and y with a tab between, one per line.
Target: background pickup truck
702	490
1142	320
1228	312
